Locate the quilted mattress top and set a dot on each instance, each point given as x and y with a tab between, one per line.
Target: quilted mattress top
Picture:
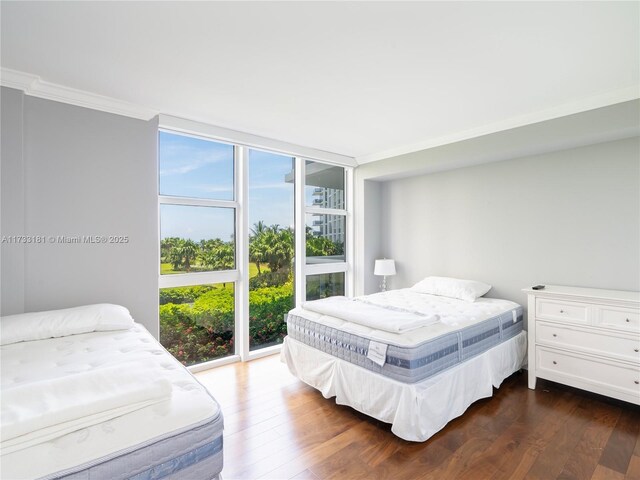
454	315
190	404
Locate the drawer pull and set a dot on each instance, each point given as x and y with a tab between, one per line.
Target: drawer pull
562	311
555	363
636	350
637	382
555	335
627	320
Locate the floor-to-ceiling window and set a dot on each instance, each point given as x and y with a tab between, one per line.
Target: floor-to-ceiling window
271	246
245	235
198	210
325	230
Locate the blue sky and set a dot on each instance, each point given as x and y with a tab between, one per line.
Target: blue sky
198	168
270	197
192	167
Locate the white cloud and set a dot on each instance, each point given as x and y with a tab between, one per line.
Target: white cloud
212	188
183	160
265	186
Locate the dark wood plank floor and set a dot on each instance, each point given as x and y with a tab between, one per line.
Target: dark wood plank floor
276	427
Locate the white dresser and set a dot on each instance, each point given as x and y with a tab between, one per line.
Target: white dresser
587	338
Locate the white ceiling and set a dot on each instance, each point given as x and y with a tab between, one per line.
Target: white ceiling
364	79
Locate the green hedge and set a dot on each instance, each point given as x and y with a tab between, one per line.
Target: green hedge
267	308
198	325
183	294
269	279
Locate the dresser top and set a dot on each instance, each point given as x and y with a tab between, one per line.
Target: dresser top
594	293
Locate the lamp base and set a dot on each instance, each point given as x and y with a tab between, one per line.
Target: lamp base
383	285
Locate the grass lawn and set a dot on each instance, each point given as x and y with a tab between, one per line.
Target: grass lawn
165	269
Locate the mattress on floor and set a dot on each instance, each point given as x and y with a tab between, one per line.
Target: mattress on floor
465	330
166	440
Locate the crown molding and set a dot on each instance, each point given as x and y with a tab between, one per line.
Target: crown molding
192	127
34	86
583	105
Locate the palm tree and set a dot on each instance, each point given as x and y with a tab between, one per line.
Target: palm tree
166	246
322	247
258	229
174	255
258	251
225	256
257	246
285	248
221	257
188	251
272	245
279	247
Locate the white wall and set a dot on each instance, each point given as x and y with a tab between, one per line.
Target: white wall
570	217
11	203
89	173
369	244
615	122
426	192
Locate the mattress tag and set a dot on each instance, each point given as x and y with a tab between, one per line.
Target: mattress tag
515	316
377	352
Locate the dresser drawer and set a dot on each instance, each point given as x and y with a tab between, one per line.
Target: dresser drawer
556	365
600	343
618	317
564	311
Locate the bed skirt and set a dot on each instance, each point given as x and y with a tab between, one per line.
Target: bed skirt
415	411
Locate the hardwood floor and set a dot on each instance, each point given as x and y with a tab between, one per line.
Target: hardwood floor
277	427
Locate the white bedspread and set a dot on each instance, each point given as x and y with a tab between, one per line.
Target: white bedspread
415	411
36	412
380	316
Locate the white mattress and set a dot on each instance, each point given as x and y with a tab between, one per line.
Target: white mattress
190	403
454	315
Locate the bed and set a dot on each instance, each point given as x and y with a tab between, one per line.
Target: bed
453	352
91	394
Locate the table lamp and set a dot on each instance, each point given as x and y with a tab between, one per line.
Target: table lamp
384	267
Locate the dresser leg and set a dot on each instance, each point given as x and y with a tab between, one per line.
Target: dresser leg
532	380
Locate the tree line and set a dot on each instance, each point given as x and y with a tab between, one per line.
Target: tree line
272	246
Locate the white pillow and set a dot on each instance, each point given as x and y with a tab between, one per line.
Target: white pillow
100	317
467	290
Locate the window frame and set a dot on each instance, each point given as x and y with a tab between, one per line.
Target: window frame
239	276
199	278
215	276
305	269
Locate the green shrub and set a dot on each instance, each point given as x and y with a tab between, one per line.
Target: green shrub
267	307
183	294
269	279
202	329
215	309
194	344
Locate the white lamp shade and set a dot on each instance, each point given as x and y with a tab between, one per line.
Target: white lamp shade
385	267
